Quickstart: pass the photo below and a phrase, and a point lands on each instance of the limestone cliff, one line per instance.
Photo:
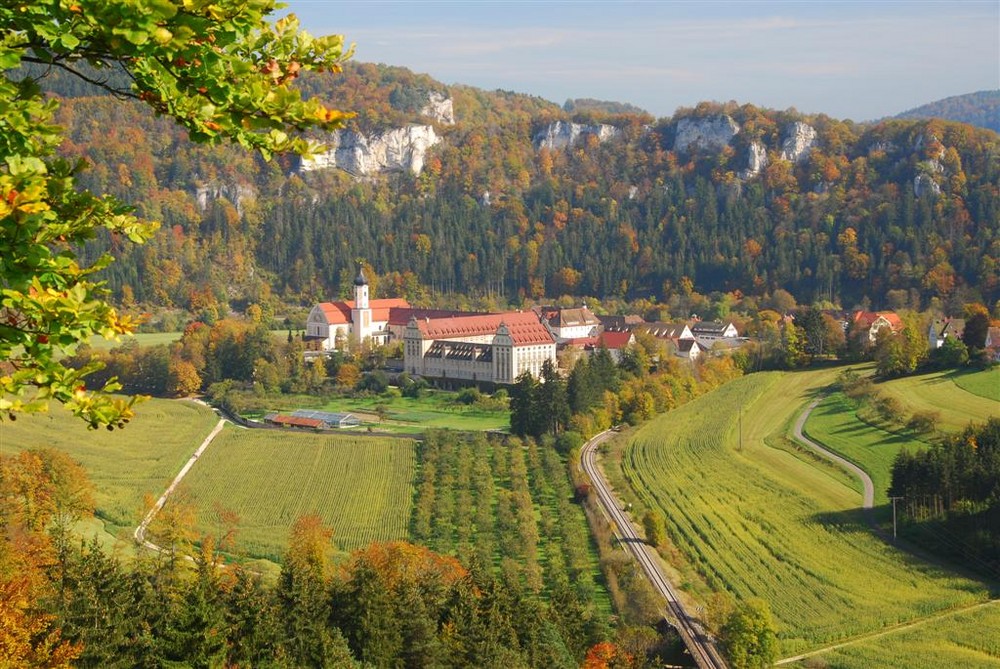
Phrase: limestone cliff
(711, 132)
(235, 193)
(756, 160)
(395, 150)
(440, 108)
(562, 134)
(799, 140)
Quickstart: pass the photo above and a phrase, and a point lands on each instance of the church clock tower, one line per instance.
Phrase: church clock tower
(361, 314)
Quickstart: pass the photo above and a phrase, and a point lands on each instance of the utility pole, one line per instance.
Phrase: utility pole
(894, 500)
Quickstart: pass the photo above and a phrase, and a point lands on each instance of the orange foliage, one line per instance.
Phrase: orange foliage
(400, 562)
(606, 655)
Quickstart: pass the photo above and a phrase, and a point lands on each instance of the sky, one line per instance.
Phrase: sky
(848, 59)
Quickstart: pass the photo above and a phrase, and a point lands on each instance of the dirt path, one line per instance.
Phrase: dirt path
(140, 531)
(868, 500)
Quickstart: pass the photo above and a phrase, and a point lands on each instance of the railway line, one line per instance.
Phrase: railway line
(698, 642)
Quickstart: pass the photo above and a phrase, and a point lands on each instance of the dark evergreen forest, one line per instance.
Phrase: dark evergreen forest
(900, 212)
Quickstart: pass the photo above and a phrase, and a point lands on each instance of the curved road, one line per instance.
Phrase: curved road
(866, 481)
(698, 643)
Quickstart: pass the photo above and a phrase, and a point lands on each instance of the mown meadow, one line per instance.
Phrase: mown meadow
(956, 397)
(401, 415)
(750, 513)
(124, 465)
(969, 639)
(952, 397)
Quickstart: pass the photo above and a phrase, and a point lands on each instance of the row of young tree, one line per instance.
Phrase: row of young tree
(950, 495)
(66, 603)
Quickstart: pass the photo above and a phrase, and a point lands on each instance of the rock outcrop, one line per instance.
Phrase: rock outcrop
(396, 150)
(711, 132)
(562, 134)
(440, 108)
(798, 143)
(235, 193)
(924, 182)
(756, 161)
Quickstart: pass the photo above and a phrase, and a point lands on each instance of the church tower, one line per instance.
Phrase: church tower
(361, 314)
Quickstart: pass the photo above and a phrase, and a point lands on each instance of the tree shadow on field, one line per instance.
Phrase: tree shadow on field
(877, 523)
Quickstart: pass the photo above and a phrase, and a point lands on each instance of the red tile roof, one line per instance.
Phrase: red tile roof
(524, 326)
(615, 340)
(582, 342)
(339, 313)
(298, 421)
(868, 318)
(402, 315)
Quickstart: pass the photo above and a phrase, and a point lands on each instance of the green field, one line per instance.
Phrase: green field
(985, 384)
(362, 487)
(123, 465)
(968, 639)
(405, 415)
(957, 398)
(141, 338)
(770, 521)
(834, 424)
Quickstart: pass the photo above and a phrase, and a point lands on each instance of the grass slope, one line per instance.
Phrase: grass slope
(766, 521)
(835, 424)
(125, 464)
(967, 639)
(985, 383)
(958, 398)
(361, 486)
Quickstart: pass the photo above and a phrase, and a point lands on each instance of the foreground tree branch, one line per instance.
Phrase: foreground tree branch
(218, 68)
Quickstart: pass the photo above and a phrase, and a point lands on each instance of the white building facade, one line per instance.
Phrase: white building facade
(490, 348)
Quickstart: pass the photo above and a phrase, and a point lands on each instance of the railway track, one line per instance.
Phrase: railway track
(698, 643)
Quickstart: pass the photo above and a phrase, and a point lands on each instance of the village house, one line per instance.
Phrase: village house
(993, 343)
(568, 325)
(941, 329)
(871, 322)
(708, 333)
(687, 349)
(615, 342)
(620, 323)
(668, 331)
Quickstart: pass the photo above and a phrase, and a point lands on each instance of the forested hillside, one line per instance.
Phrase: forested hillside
(980, 109)
(900, 210)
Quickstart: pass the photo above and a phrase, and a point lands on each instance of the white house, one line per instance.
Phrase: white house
(569, 324)
(941, 329)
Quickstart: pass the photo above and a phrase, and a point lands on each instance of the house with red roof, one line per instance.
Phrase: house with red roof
(615, 342)
(873, 321)
(488, 348)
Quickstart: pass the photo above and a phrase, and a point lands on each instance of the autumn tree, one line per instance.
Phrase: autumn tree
(750, 637)
(219, 69)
